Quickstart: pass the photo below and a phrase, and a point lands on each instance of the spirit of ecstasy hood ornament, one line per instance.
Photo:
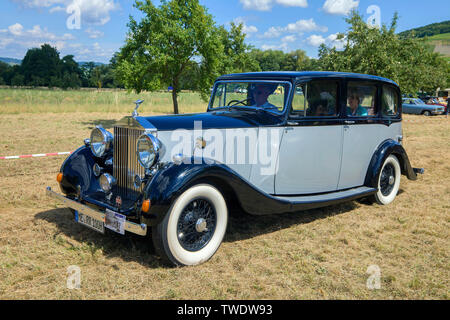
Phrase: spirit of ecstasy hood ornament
(138, 104)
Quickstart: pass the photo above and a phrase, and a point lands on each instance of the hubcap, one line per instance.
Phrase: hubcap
(196, 225)
(391, 180)
(200, 225)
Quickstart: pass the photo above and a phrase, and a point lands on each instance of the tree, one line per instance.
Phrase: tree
(383, 53)
(41, 64)
(237, 56)
(166, 41)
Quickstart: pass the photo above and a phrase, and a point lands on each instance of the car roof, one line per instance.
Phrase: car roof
(289, 75)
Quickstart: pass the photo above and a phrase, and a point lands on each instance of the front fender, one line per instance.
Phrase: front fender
(387, 148)
(77, 170)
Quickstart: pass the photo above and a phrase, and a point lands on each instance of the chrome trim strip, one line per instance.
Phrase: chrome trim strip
(139, 229)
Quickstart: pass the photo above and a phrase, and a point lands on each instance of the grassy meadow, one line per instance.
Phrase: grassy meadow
(316, 254)
(19, 101)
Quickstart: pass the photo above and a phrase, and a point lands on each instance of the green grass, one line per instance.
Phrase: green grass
(440, 37)
(17, 101)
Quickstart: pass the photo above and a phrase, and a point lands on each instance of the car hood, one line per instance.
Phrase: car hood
(215, 120)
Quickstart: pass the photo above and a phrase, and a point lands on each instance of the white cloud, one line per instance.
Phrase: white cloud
(57, 9)
(94, 12)
(248, 30)
(94, 34)
(260, 5)
(273, 32)
(315, 40)
(299, 27)
(16, 29)
(331, 41)
(293, 3)
(305, 26)
(342, 7)
(290, 38)
(266, 5)
(283, 47)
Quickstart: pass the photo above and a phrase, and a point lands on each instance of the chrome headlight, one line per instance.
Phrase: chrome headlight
(107, 181)
(101, 141)
(147, 150)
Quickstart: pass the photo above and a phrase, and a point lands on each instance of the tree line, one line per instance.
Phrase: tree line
(43, 67)
(179, 45)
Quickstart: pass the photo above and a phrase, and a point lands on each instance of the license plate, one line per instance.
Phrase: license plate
(90, 222)
(115, 221)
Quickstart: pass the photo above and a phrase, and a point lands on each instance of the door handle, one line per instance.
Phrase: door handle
(349, 122)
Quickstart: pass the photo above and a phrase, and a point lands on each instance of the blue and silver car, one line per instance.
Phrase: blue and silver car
(270, 142)
(417, 106)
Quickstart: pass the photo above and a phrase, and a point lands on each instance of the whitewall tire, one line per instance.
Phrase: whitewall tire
(194, 227)
(388, 181)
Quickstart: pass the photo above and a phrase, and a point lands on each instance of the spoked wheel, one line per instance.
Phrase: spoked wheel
(388, 181)
(194, 227)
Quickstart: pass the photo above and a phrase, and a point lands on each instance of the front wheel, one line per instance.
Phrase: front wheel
(388, 181)
(427, 113)
(194, 227)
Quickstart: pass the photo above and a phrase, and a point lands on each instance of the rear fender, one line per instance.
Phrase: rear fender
(387, 148)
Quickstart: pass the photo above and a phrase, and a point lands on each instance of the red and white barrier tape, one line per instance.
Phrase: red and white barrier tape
(36, 155)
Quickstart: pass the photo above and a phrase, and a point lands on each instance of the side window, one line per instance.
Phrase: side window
(389, 102)
(361, 99)
(315, 99)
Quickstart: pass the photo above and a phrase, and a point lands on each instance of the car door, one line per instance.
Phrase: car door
(310, 151)
(361, 134)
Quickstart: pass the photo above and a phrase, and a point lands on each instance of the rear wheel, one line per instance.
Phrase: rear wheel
(388, 181)
(194, 227)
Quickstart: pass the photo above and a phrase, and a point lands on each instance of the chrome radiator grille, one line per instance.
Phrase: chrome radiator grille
(125, 163)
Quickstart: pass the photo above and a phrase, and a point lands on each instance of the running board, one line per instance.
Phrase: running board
(315, 201)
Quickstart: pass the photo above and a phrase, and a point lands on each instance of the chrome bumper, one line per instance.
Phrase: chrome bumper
(140, 229)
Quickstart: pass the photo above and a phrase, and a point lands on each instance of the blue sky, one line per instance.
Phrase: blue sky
(100, 28)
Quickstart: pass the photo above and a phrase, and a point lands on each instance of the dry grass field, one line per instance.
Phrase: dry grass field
(316, 254)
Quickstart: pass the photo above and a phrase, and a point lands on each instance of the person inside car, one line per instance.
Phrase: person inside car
(261, 93)
(354, 107)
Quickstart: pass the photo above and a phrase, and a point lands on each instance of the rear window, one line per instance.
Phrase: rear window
(389, 102)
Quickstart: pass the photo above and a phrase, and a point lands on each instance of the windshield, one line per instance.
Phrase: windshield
(267, 95)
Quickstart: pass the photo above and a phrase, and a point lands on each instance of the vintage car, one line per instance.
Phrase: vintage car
(417, 106)
(322, 139)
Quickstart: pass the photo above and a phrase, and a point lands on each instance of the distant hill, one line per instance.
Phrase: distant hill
(437, 36)
(13, 61)
(10, 61)
(428, 30)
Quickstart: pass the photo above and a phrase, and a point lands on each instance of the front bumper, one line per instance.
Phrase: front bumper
(139, 229)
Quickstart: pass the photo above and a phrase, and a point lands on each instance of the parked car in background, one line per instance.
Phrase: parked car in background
(323, 139)
(417, 106)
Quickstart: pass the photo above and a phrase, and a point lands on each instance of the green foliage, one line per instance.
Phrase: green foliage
(166, 42)
(277, 60)
(40, 64)
(427, 31)
(383, 53)
(237, 57)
